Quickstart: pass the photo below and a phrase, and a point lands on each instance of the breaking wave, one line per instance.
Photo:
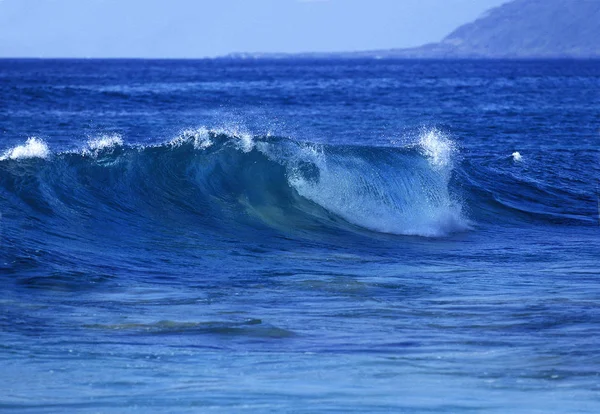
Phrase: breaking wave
(223, 179)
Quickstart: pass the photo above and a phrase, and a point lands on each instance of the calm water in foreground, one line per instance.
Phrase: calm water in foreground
(299, 236)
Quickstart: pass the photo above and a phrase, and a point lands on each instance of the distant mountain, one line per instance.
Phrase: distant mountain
(517, 29)
(531, 28)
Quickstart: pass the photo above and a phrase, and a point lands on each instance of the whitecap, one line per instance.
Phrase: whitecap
(105, 141)
(33, 148)
(437, 147)
(243, 139)
(199, 137)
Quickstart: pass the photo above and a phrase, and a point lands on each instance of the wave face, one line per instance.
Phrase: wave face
(400, 191)
(229, 179)
(234, 183)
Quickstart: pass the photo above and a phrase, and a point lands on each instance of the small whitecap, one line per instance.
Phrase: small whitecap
(516, 156)
(243, 139)
(246, 143)
(33, 148)
(199, 137)
(101, 143)
(104, 142)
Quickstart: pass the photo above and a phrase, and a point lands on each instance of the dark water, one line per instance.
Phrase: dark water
(296, 236)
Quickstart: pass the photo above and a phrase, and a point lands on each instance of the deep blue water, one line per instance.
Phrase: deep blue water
(299, 236)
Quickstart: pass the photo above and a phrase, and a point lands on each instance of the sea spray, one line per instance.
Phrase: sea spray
(382, 189)
(33, 148)
(199, 137)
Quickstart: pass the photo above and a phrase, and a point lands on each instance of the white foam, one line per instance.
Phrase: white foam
(199, 137)
(401, 205)
(399, 193)
(33, 148)
(102, 143)
(246, 142)
(243, 138)
(437, 147)
(517, 156)
(105, 141)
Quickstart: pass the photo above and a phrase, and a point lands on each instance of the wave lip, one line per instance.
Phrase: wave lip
(104, 142)
(33, 148)
(199, 137)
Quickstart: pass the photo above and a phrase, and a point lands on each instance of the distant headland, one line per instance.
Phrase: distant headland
(528, 29)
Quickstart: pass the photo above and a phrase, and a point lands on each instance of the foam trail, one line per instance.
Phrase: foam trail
(33, 148)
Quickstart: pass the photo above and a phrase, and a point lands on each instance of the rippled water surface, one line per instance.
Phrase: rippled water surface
(299, 236)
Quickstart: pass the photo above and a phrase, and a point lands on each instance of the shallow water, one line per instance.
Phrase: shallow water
(299, 236)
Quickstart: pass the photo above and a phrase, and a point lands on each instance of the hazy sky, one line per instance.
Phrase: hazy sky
(199, 28)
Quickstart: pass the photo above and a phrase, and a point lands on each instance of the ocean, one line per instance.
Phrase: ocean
(299, 236)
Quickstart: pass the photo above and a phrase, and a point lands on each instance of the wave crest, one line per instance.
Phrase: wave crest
(33, 148)
(233, 177)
